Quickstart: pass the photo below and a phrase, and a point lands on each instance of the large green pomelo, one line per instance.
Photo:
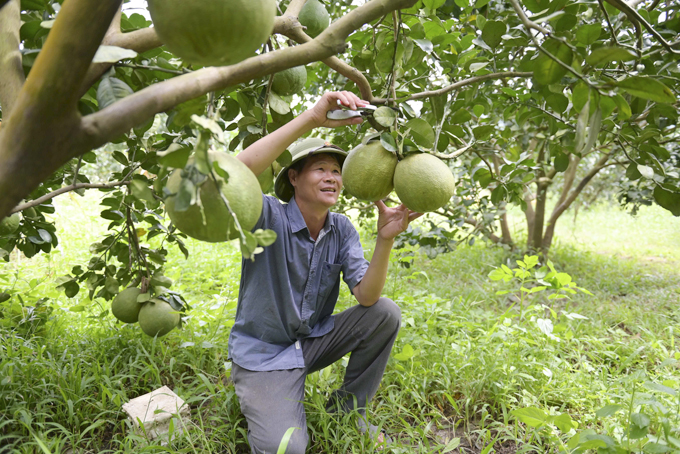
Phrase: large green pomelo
(368, 171)
(157, 318)
(125, 306)
(423, 182)
(315, 17)
(10, 224)
(242, 191)
(266, 179)
(289, 81)
(213, 32)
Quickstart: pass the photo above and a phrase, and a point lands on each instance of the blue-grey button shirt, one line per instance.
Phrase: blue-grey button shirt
(289, 292)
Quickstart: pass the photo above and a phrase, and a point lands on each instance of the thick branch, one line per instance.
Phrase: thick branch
(353, 74)
(65, 189)
(462, 83)
(473, 222)
(11, 70)
(569, 177)
(562, 207)
(452, 155)
(121, 116)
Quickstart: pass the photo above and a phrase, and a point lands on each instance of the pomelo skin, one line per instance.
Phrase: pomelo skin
(315, 17)
(289, 81)
(10, 224)
(213, 32)
(125, 306)
(242, 191)
(368, 171)
(423, 182)
(157, 318)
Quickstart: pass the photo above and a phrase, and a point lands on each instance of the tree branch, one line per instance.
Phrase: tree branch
(634, 16)
(11, 71)
(569, 177)
(562, 207)
(353, 74)
(65, 189)
(452, 155)
(462, 83)
(525, 20)
(120, 117)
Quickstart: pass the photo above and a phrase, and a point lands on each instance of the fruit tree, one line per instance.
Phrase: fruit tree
(527, 101)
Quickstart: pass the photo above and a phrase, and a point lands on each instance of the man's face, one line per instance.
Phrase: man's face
(319, 182)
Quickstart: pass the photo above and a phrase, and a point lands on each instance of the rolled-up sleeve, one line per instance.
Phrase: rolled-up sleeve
(354, 264)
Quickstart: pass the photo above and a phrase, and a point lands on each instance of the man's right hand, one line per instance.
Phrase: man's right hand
(329, 101)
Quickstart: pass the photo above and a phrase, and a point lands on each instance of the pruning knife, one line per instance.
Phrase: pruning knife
(344, 114)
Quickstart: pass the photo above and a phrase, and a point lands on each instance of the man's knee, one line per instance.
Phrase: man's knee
(296, 445)
(389, 311)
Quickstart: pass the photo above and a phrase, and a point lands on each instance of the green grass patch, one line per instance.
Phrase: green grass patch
(467, 371)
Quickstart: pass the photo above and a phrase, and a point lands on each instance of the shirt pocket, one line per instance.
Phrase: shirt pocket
(330, 273)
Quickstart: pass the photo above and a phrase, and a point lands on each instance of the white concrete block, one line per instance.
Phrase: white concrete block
(155, 410)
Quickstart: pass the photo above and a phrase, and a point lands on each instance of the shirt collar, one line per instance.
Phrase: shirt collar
(297, 222)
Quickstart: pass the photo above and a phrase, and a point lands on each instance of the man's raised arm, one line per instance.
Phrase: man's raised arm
(262, 153)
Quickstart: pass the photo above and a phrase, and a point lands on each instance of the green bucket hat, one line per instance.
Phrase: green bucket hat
(282, 187)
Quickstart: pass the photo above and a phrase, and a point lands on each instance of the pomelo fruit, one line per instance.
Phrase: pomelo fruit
(423, 182)
(289, 81)
(10, 224)
(157, 318)
(125, 306)
(213, 32)
(315, 17)
(368, 171)
(266, 179)
(242, 191)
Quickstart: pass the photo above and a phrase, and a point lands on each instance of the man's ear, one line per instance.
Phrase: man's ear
(292, 176)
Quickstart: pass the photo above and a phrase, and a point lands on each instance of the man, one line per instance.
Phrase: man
(284, 326)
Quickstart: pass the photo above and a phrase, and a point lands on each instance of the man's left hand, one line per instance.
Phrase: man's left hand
(393, 221)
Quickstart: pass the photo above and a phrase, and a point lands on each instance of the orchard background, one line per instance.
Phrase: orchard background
(556, 117)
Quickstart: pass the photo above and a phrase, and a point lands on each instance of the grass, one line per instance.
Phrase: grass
(465, 361)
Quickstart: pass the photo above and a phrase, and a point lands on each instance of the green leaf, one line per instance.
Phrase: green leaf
(140, 189)
(231, 109)
(387, 141)
(656, 448)
(111, 90)
(285, 440)
(668, 200)
(498, 194)
(588, 34)
(285, 159)
(492, 32)
(607, 410)
(604, 55)
(406, 353)
(564, 422)
(531, 416)
(175, 156)
(645, 171)
(624, 108)
(451, 445)
(424, 44)
(483, 132)
(277, 104)
(112, 54)
(421, 131)
(385, 116)
(581, 125)
(647, 88)
(557, 102)
(661, 388)
(432, 5)
(546, 70)
(265, 237)
(561, 162)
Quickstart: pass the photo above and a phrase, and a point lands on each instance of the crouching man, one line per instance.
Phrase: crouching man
(284, 326)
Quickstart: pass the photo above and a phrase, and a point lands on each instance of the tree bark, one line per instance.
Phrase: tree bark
(45, 129)
(562, 207)
(11, 69)
(536, 235)
(529, 213)
(505, 229)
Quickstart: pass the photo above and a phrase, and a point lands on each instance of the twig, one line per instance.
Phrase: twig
(73, 187)
(633, 15)
(454, 154)
(485, 161)
(153, 68)
(525, 20)
(75, 174)
(462, 83)
(609, 23)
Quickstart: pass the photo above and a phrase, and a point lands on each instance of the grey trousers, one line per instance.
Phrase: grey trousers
(272, 401)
